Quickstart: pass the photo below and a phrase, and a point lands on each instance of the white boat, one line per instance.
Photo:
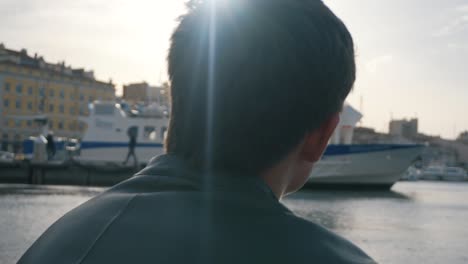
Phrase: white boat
(369, 165)
(437, 173)
(106, 138)
(432, 173)
(411, 174)
(7, 156)
(364, 165)
(454, 174)
(7, 159)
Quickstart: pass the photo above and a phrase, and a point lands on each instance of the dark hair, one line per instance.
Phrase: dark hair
(250, 78)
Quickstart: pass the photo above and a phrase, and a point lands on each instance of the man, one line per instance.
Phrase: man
(50, 146)
(132, 133)
(257, 86)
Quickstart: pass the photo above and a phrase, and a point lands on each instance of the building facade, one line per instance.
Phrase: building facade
(30, 86)
(463, 137)
(404, 128)
(144, 93)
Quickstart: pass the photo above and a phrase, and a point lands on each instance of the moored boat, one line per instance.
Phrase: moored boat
(376, 166)
(454, 174)
(107, 135)
(442, 173)
(361, 165)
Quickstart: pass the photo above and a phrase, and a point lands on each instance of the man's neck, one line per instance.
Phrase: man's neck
(278, 177)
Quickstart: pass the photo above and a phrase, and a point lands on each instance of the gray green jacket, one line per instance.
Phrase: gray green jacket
(167, 214)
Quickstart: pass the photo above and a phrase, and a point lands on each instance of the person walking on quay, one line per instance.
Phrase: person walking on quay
(50, 146)
(132, 135)
(256, 91)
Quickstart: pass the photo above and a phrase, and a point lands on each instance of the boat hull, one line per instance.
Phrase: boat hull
(362, 165)
(351, 165)
(118, 151)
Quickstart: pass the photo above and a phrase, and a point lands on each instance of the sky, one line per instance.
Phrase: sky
(412, 55)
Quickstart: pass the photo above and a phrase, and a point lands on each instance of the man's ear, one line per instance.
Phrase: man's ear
(316, 141)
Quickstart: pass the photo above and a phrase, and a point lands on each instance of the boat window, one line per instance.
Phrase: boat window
(104, 109)
(149, 132)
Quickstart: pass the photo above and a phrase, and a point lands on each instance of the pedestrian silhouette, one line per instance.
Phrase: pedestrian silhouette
(50, 147)
(132, 133)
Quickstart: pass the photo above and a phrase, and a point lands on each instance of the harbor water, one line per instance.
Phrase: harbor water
(416, 222)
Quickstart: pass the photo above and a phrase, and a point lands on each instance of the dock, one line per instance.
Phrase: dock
(65, 173)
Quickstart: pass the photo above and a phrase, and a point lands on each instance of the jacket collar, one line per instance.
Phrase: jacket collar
(174, 169)
(172, 166)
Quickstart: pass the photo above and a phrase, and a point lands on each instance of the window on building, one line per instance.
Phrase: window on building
(61, 109)
(29, 123)
(60, 125)
(18, 123)
(62, 94)
(51, 93)
(6, 103)
(19, 88)
(83, 110)
(41, 91)
(30, 106)
(30, 90)
(18, 104)
(72, 110)
(51, 124)
(7, 87)
(81, 97)
(51, 108)
(4, 143)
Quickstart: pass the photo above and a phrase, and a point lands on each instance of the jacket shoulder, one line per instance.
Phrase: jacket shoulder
(71, 238)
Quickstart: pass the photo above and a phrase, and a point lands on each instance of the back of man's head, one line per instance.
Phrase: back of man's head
(250, 78)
